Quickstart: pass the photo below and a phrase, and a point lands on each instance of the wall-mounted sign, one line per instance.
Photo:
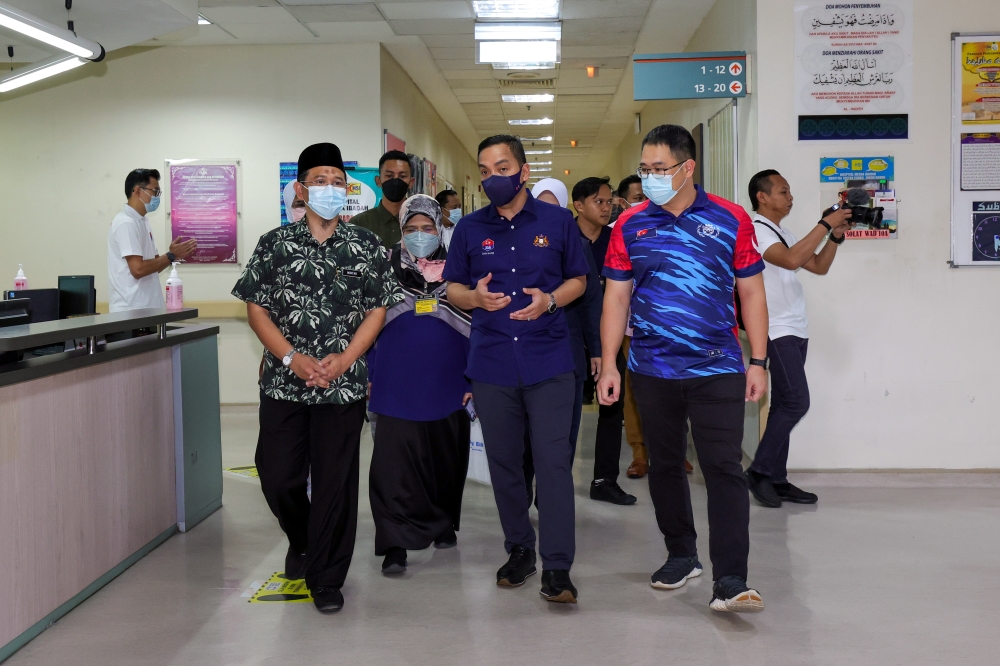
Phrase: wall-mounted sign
(843, 169)
(864, 184)
(690, 75)
(980, 82)
(853, 59)
(204, 204)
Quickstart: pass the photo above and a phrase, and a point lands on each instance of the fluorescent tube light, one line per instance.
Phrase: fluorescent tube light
(37, 71)
(541, 139)
(519, 54)
(542, 169)
(540, 163)
(531, 121)
(43, 31)
(538, 152)
(528, 99)
(202, 20)
(518, 31)
(516, 9)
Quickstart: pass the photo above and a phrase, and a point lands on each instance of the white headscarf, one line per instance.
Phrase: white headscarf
(289, 196)
(554, 186)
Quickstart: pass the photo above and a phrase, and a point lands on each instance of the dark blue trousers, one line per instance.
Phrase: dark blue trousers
(546, 408)
(789, 403)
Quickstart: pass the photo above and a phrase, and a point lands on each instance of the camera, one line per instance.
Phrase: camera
(858, 201)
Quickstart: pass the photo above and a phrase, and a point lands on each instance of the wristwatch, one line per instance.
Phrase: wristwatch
(172, 257)
(762, 362)
(287, 360)
(837, 241)
(552, 304)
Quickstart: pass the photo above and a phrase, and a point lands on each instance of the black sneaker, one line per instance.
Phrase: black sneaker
(328, 599)
(675, 572)
(762, 490)
(395, 561)
(609, 491)
(731, 594)
(520, 565)
(295, 564)
(557, 587)
(447, 540)
(789, 493)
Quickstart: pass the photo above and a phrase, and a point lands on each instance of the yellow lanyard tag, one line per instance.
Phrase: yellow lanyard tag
(425, 305)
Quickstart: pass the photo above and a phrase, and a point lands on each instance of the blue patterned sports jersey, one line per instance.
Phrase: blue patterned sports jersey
(684, 269)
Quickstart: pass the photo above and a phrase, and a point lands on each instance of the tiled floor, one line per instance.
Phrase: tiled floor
(882, 571)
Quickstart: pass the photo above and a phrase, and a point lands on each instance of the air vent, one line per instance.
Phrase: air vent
(540, 83)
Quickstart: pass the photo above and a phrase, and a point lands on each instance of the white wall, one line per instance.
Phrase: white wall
(901, 362)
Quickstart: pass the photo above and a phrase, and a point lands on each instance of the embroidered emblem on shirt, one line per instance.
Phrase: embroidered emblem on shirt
(541, 241)
(708, 230)
(641, 233)
(488, 245)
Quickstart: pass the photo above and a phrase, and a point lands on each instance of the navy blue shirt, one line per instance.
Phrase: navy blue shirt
(599, 247)
(539, 248)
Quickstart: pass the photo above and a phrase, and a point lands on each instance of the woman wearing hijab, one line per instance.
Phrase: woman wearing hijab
(551, 191)
(418, 391)
(295, 208)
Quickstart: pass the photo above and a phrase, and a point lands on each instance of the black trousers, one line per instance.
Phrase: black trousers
(715, 406)
(547, 408)
(789, 403)
(608, 443)
(294, 438)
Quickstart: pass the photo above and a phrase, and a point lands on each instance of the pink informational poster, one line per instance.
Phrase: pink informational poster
(203, 206)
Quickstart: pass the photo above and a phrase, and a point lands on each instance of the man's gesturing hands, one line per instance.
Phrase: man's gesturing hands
(488, 300)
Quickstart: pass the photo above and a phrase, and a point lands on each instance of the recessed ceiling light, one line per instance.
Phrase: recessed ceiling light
(516, 9)
(540, 163)
(528, 99)
(543, 169)
(541, 139)
(530, 121)
(518, 54)
(202, 20)
(518, 31)
(537, 152)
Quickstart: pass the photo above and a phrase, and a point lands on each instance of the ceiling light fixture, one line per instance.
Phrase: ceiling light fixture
(37, 71)
(537, 152)
(518, 31)
(518, 54)
(531, 121)
(593, 72)
(202, 20)
(516, 9)
(573, 143)
(528, 99)
(566, 172)
(43, 31)
(540, 163)
(542, 169)
(541, 139)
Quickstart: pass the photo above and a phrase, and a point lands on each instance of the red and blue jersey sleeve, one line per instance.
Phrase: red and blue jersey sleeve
(617, 263)
(747, 262)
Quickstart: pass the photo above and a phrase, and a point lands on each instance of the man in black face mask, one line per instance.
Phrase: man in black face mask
(395, 178)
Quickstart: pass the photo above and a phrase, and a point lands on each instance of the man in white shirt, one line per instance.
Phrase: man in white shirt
(788, 334)
(133, 262)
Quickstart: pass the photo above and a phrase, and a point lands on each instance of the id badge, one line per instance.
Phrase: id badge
(425, 305)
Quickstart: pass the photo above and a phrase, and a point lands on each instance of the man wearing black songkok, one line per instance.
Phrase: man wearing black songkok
(316, 295)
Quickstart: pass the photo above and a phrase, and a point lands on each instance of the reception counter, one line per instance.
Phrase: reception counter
(105, 452)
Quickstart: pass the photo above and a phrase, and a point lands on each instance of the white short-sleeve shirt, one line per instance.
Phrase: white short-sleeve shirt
(130, 235)
(786, 303)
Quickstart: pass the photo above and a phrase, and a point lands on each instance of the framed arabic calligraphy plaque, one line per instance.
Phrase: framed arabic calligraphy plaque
(853, 69)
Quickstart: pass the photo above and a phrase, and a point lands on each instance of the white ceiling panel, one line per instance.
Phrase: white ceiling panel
(604, 63)
(238, 3)
(452, 65)
(434, 26)
(353, 33)
(481, 85)
(596, 51)
(280, 33)
(452, 9)
(450, 41)
(454, 53)
(601, 38)
(336, 13)
(590, 9)
(225, 16)
(480, 73)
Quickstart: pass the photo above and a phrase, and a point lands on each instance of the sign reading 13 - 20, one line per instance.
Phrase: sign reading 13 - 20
(690, 75)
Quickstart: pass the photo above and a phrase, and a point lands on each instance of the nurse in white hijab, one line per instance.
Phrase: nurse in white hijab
(295, 209)
(551, 191)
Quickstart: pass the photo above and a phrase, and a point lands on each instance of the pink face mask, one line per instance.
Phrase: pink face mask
(296, 214)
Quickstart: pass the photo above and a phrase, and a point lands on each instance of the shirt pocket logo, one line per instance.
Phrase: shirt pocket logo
(488, 245)
(541, 241)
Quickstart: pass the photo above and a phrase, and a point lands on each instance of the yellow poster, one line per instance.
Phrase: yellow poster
(980, 83)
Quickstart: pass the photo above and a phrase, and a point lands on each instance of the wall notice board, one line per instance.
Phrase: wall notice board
(975, 150)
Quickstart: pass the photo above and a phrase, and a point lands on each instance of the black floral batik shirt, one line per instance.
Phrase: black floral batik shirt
(317, 294)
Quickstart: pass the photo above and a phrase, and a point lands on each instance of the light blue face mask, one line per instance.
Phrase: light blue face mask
(660, 190)
(455, 214)
(327, 201)
(421, 244)
(153, 204)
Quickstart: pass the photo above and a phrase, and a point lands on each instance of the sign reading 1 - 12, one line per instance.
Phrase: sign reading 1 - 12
(690, 75)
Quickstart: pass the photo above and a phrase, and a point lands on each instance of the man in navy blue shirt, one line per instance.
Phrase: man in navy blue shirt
(515, 264)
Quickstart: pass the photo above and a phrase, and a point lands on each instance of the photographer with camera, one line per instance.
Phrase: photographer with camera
(788, 336)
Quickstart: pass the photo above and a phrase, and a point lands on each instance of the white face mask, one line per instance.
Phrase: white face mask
(661, 190)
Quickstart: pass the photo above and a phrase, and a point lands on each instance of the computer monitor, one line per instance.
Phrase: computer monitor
(14, 312)
(76, 296)
(44, 303)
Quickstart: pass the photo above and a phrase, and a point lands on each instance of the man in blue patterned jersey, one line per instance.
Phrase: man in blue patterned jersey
(685, 249)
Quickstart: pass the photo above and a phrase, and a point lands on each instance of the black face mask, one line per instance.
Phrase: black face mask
(395, 189)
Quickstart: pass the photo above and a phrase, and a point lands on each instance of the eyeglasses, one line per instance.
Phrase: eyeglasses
(157, 192)
(657, 171)
(323, 182)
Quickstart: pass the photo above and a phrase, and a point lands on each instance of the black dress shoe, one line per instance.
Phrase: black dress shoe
(789, 493)
(520, 565)
(762, 490)
(395, 561)
(557, 587)
(295, 564)
(603, 490)
(328, 599)
(447, 540)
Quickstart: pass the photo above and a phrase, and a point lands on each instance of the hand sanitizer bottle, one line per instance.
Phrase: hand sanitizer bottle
(20, 281)
(175, 290)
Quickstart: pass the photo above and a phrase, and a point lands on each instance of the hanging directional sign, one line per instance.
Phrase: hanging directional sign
(690, 75)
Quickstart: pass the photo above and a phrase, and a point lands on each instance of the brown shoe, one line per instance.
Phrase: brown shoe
(688, 467)
(637, 469)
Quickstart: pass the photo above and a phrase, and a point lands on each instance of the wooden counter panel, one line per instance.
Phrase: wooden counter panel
(86, 479)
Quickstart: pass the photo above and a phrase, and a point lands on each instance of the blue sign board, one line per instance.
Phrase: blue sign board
(690, 75)
(843, 169)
